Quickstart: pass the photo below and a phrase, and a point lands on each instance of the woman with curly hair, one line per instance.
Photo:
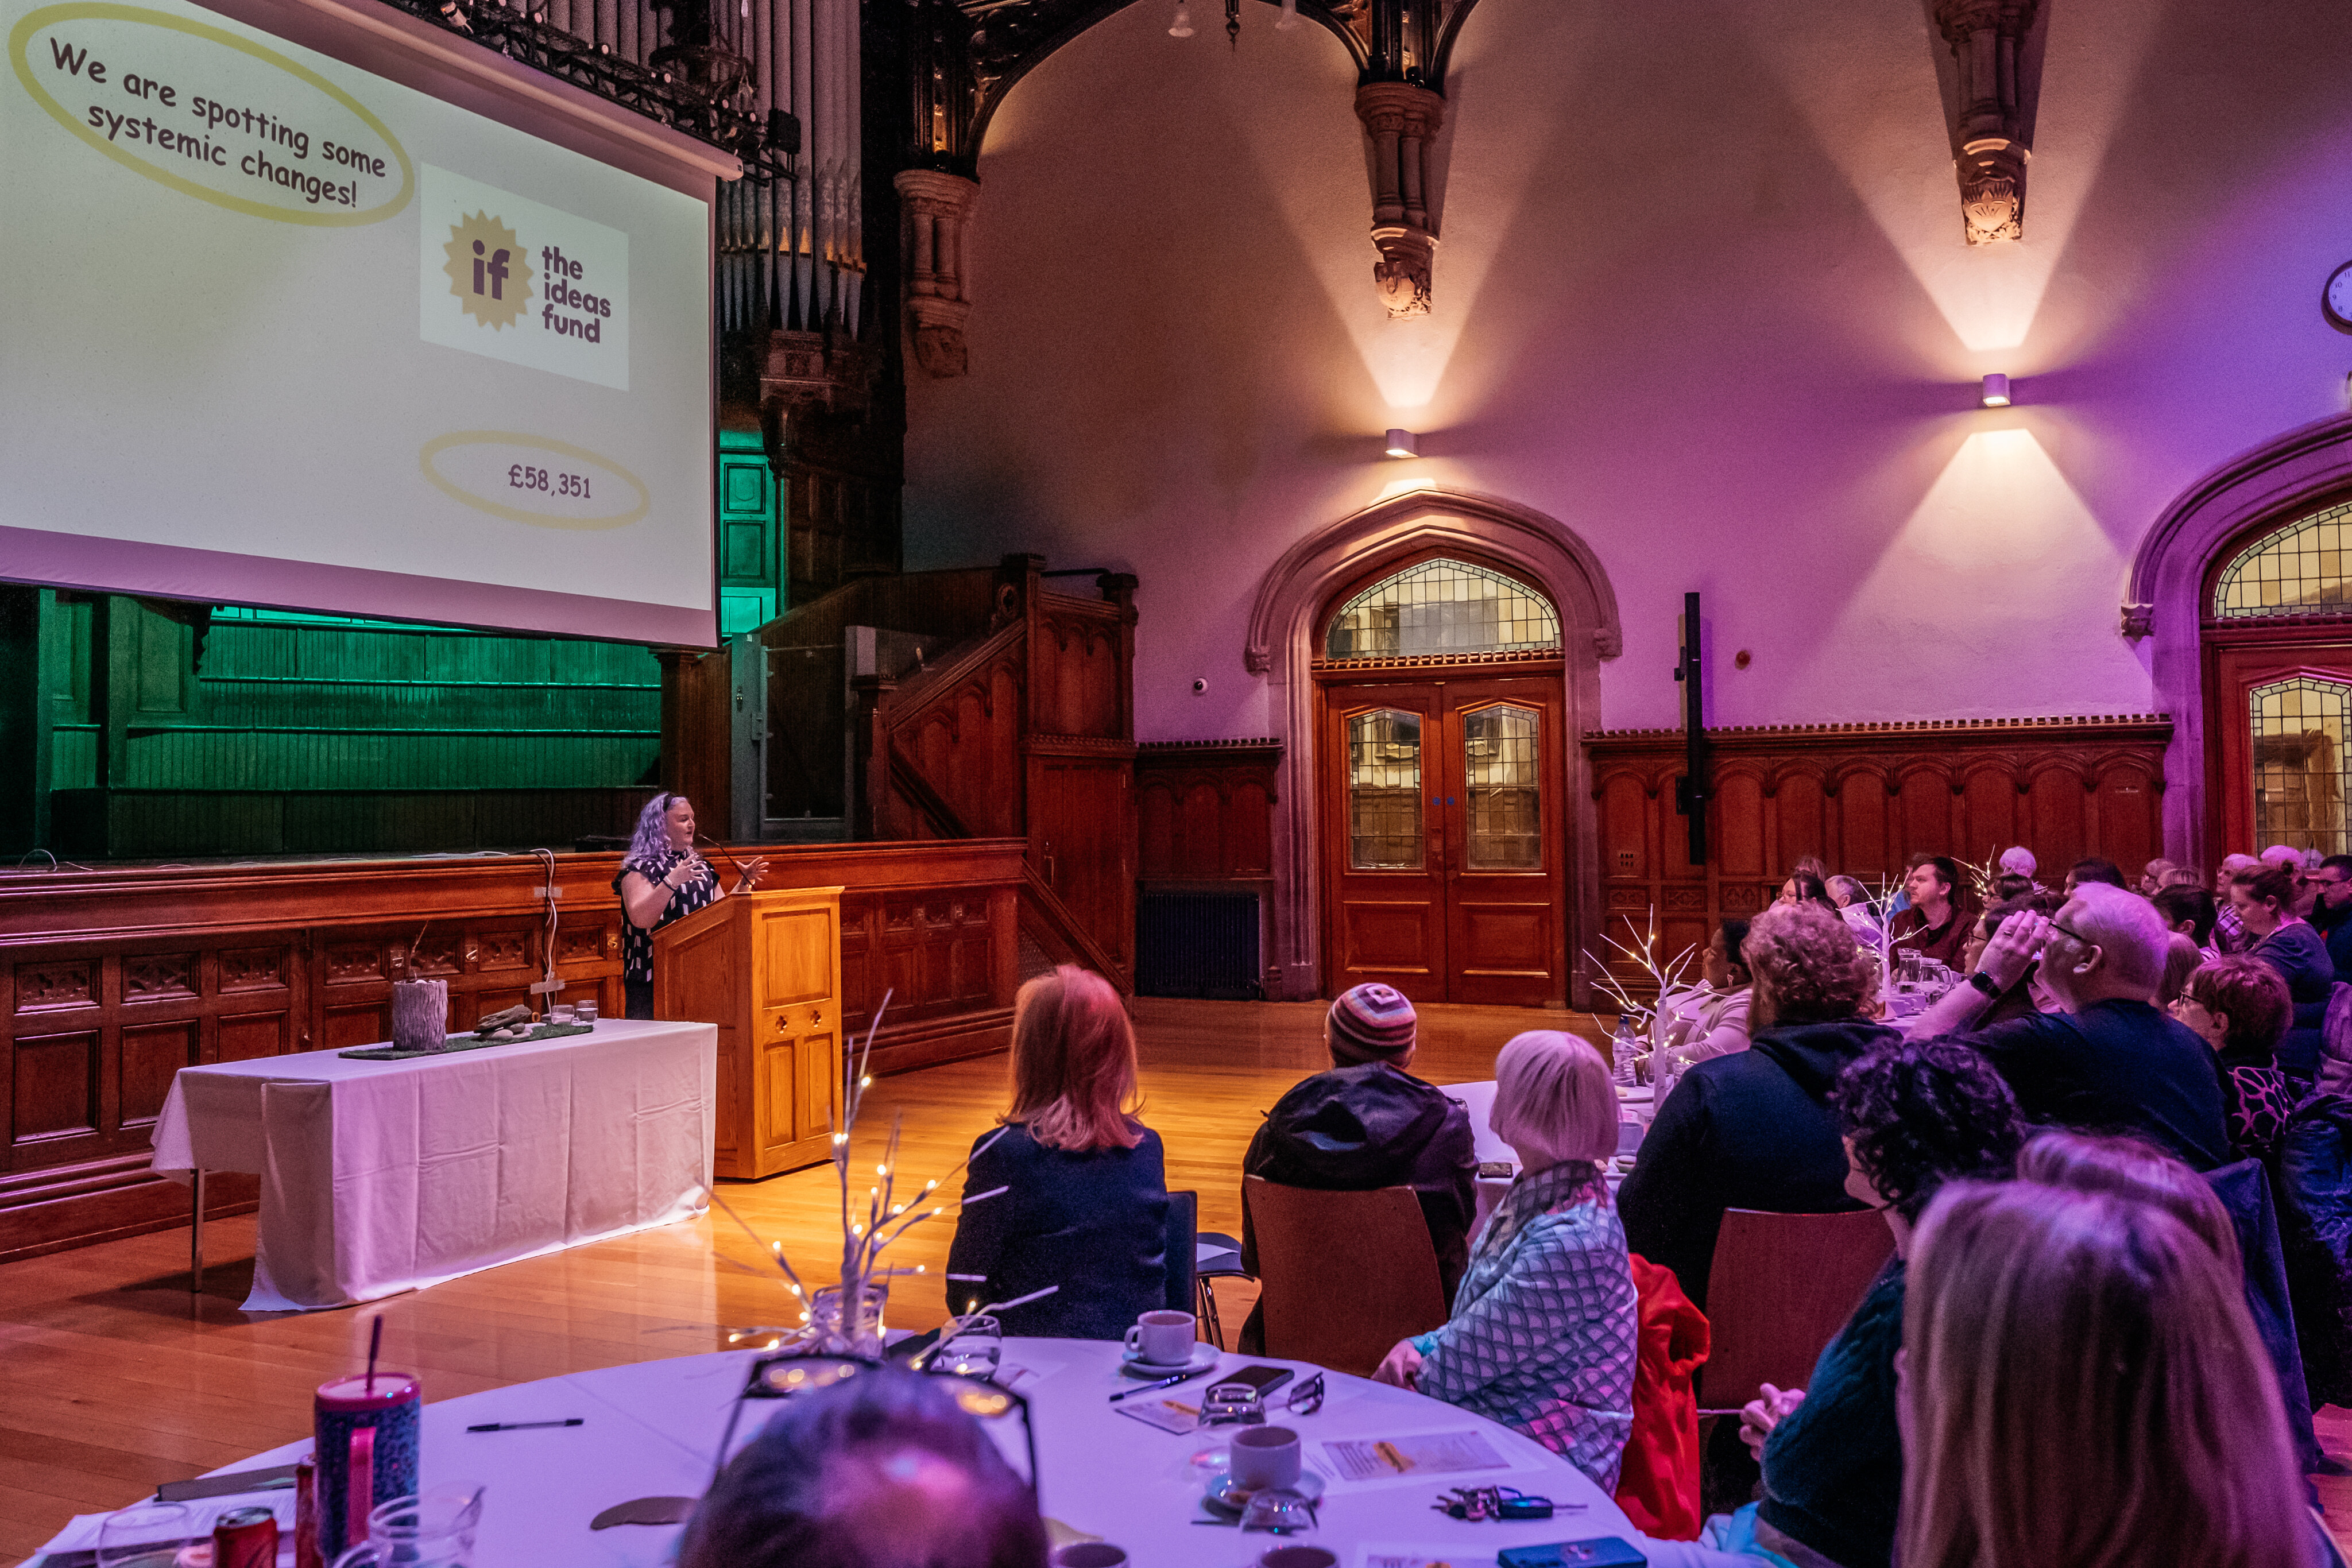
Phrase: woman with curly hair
(1915, 1115)
(1754, 1129)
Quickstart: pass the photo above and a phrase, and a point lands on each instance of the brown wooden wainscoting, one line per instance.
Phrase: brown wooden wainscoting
(1863, 796)
(1204, 824)
(110, 982)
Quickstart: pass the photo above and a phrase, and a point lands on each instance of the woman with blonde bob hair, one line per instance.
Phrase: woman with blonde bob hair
(1541, 1338)
(1070, 1190)
(2082, 1389)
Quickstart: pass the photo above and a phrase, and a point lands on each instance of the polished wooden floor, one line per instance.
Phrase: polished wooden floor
(114, 1377)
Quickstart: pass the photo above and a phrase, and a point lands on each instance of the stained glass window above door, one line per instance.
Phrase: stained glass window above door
(1443, 607)
(2302, 568)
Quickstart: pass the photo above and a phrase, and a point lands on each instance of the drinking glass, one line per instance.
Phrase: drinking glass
(973, 1350)
(433, 1530)
(584, 1012)
(149, 1535)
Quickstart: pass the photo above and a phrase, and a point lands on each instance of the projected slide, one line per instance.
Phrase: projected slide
(281, 331)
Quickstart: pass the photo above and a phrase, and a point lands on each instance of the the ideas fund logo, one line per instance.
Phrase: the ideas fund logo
(487, 271)
(511, 278)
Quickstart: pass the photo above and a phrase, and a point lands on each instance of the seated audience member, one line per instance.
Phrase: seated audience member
(2328, 886)
(2263, 900)
(1853, 901)
(2137, 1171)
(2109, 1061)
(1542, 1334)
(2007, 888)
(2018, 860)
(1812, 866)
(2155, 874)
(2083, 1385)
(882, 1469)
(1708, 1020)
(2189, 911)
(2093, 869)
(1087, 1205)
(1915, 1115)
(1935, 923)
(1755, 1130)
(1367, 1123)
(1804, 887)
(2285, 857)
(2018, 1000)
(2181, 958)
(2240, 1007)
(2227, 935)
(2183, 876)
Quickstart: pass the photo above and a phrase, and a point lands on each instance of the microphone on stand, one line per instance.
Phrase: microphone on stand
(732, 865)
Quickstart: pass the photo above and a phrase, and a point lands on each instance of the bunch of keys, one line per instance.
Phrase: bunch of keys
(1474, 1503)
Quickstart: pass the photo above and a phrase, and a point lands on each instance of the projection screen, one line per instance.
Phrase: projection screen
(301, 316)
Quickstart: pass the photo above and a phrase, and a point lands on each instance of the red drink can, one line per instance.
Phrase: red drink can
(305, 1515)
(246, 1538)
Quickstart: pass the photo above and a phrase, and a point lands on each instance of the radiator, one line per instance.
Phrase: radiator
(1197, 945)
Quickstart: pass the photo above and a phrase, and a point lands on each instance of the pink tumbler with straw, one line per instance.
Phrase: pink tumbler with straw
(367, 1434)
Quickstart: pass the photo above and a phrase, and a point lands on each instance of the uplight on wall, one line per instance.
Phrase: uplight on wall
(1182, 28)
(1404, 443)
(1996, 390)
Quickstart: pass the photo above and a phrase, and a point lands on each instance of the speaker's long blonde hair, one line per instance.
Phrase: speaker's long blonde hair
(2083, 1388)
(1074, 1063)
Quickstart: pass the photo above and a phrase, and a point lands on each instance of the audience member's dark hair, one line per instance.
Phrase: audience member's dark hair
(2181, 901)
(2272, 884)
(1995, 916)
(1811, 888)
(1734, 932)
(2251, 994)
(2339, 862)
(2097, 869)
(881, 1468)
(1947, 872)
(2011, 887)
(1922, 1112)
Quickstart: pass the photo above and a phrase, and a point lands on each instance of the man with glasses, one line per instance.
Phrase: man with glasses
(2328, 887)
(2111, 1062)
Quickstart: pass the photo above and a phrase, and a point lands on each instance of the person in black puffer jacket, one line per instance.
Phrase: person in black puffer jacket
(1756, 1130)
(1369, 1123)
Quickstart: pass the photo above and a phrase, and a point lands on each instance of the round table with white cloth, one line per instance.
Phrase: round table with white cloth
(653, 1428)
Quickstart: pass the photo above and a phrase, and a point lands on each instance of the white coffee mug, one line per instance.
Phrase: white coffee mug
(1089, 1554)
(1264, 1457)
(1298, 1557)
(1163, 1338)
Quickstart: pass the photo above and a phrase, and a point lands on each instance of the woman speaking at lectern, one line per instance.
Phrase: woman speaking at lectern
(662, 880)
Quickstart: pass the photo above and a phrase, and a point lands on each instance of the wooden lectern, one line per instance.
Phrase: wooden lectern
(766, 968)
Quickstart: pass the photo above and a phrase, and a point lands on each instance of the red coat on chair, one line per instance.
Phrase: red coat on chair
(1658, 1487)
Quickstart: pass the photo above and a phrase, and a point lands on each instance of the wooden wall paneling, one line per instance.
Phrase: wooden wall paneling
(1863, 796)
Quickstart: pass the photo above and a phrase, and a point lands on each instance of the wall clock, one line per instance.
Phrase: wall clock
(2336, 299)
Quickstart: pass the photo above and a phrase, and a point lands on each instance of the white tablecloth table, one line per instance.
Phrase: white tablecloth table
(652, 1429)
(383, 1176)
(1478, 1099)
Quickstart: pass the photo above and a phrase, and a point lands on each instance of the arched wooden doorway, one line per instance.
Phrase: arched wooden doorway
(1441, 770)
(2277, 635)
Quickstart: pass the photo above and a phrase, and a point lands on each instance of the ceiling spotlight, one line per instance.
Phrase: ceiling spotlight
(1182, 28)
(1996, 390)
(1404, 443)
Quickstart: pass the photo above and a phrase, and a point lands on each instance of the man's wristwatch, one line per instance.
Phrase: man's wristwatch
(1987, 984)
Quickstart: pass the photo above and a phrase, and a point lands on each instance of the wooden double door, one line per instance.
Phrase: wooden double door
(1444, 857)
(2281, 728)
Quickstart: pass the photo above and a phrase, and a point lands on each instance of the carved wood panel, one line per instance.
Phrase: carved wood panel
(1864, 797)
(1204, 813)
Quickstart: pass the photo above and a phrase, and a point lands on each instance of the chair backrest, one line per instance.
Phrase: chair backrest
(1343, 1275)
(1183, 1223)
(1780, 1287)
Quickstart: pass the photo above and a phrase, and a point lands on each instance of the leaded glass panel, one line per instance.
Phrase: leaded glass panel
(2300, 781)
(1498, 765)
(1385, 792)
(2303, 569)
(1443, 607)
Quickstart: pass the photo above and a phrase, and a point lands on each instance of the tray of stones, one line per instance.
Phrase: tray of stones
(458, 1042)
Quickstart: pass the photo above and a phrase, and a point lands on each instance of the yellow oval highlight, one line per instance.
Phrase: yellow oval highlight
(466, 463)
(20, 39)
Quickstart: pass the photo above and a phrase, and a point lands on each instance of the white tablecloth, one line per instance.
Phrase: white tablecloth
(652, 1429)
(1478, 1099)
(383, 1176)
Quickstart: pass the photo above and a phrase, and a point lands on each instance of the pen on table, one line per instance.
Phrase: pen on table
(524, 1426)
(1163, 1383)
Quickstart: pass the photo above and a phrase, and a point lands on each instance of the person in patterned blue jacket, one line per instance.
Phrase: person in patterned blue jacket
(1542, 1338)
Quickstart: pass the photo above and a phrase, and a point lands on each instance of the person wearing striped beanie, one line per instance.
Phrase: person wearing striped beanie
(1367, 1123)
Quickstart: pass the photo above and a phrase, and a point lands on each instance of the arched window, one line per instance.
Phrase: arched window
(2302, 568)
(1443, 607)
(2300, 780)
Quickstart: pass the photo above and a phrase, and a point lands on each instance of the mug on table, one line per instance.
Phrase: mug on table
(1163, 1338)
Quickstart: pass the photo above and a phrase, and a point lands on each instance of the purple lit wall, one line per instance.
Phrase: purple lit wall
(1702, 298)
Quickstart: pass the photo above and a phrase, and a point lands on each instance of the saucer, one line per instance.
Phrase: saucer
(1204, 1357)
(1224, 1497)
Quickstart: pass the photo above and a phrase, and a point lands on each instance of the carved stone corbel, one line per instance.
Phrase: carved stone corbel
(1987, 39)
(937, 208)
(2139, 621)
(1402, 120)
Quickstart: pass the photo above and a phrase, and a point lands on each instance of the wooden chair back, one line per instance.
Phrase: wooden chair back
(1780, 1287)
(1343, 1275)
